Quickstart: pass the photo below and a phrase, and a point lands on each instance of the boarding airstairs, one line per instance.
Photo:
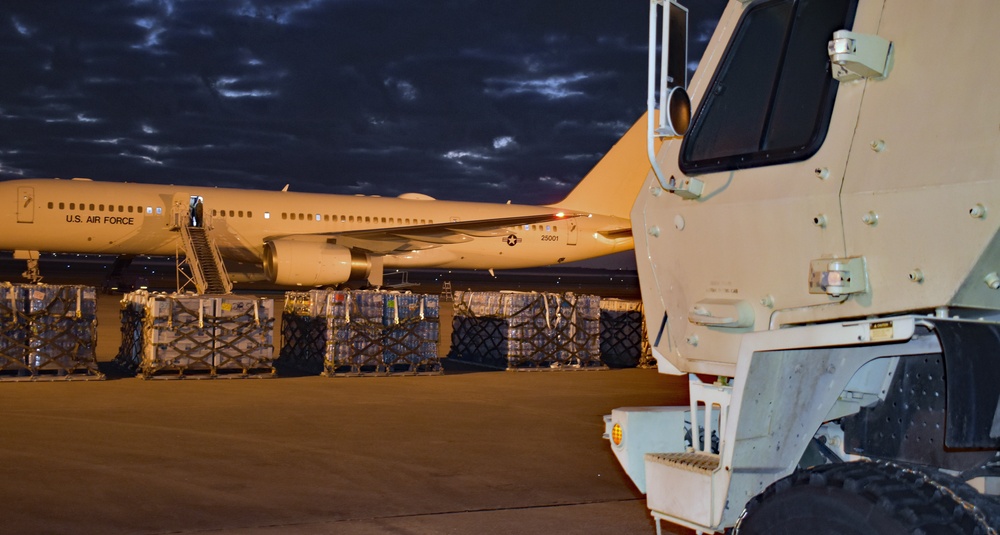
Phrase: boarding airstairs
(198, 252)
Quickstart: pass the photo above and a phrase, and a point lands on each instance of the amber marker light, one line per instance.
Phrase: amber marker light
(616, 434)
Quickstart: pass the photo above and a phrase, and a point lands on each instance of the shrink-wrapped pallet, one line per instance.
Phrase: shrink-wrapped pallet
(178, 335)
(49, 331)
(364, 332)
(519, 330)
(355, 335)
(412, 327)
(624, 343)
(244, 333)
(14, 330)
(304, 331)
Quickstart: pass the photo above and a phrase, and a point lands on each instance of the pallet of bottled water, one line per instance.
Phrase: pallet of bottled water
(363, 332)
(527, 330)
(48, 332)
(624, 343)
(201, 336)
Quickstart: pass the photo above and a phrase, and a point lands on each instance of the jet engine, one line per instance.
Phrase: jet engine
(302, 263)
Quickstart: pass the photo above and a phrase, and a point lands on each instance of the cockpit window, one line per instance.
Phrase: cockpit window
(771, 99)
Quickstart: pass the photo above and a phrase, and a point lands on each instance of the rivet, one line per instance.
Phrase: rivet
(655, 190)
(978, 211)
(823, 173)
(878, 145)
(820, 221)
(917, 276)
(992, 280)
(654, 231)
(692, 340)
(870, 219)
(767, 301)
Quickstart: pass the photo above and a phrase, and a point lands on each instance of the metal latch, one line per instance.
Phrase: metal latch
(857, 55)
(838, 276)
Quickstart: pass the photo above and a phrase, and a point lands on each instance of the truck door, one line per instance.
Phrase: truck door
(25, 204)
(769, 140)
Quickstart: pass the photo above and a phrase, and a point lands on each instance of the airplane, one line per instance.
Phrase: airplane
(312, 239)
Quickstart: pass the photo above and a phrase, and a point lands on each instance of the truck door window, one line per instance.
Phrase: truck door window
(771, 99)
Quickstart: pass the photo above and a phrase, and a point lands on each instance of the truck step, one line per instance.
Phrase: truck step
(699, 462)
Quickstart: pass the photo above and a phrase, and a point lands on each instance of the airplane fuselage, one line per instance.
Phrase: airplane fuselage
(83, 216)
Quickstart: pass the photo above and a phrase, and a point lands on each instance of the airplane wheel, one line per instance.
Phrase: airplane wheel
(860, 498)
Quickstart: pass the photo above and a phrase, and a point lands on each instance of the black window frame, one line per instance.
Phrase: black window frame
(763, 155)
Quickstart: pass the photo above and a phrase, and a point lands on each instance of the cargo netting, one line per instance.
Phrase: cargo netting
(200, 336)
(48, 332)
(364, 332)
(527, 331)
(624, 343)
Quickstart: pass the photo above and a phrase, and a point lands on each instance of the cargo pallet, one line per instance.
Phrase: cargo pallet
(182, 336)
(361, 333)
(48, 333)
(624, 341)
(527, 331)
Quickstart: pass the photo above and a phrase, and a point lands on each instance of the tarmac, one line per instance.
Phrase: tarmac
(470, 451)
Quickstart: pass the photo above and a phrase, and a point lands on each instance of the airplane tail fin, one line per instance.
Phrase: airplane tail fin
(611, 187)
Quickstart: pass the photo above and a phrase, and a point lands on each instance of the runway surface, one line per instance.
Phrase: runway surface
(467, 452)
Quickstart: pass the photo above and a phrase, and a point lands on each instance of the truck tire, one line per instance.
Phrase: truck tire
(859, 498)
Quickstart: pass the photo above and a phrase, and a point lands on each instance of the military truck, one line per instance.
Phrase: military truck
(818, 250)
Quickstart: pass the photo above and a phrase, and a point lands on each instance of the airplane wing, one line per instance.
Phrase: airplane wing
(389, 240)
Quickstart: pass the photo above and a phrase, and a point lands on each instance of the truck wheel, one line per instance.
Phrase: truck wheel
(859, 498)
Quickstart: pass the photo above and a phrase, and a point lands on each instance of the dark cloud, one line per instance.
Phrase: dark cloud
(457, 99)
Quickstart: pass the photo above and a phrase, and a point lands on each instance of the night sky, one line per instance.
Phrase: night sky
(466, 100)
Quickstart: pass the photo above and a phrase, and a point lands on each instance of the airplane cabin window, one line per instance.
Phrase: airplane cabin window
(159, 210)
(342, 220)
(267, 215)
(249, 214)
(232, 213)
(51, 206)
(215, 213)
(407, 221)
(62, 206)
(121, 208)
(149, 209)
(91, 207)
(240, 213)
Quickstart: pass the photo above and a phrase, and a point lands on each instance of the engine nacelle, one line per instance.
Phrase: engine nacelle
(301, 263)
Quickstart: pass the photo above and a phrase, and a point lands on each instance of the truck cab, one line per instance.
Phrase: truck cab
(817, 252)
